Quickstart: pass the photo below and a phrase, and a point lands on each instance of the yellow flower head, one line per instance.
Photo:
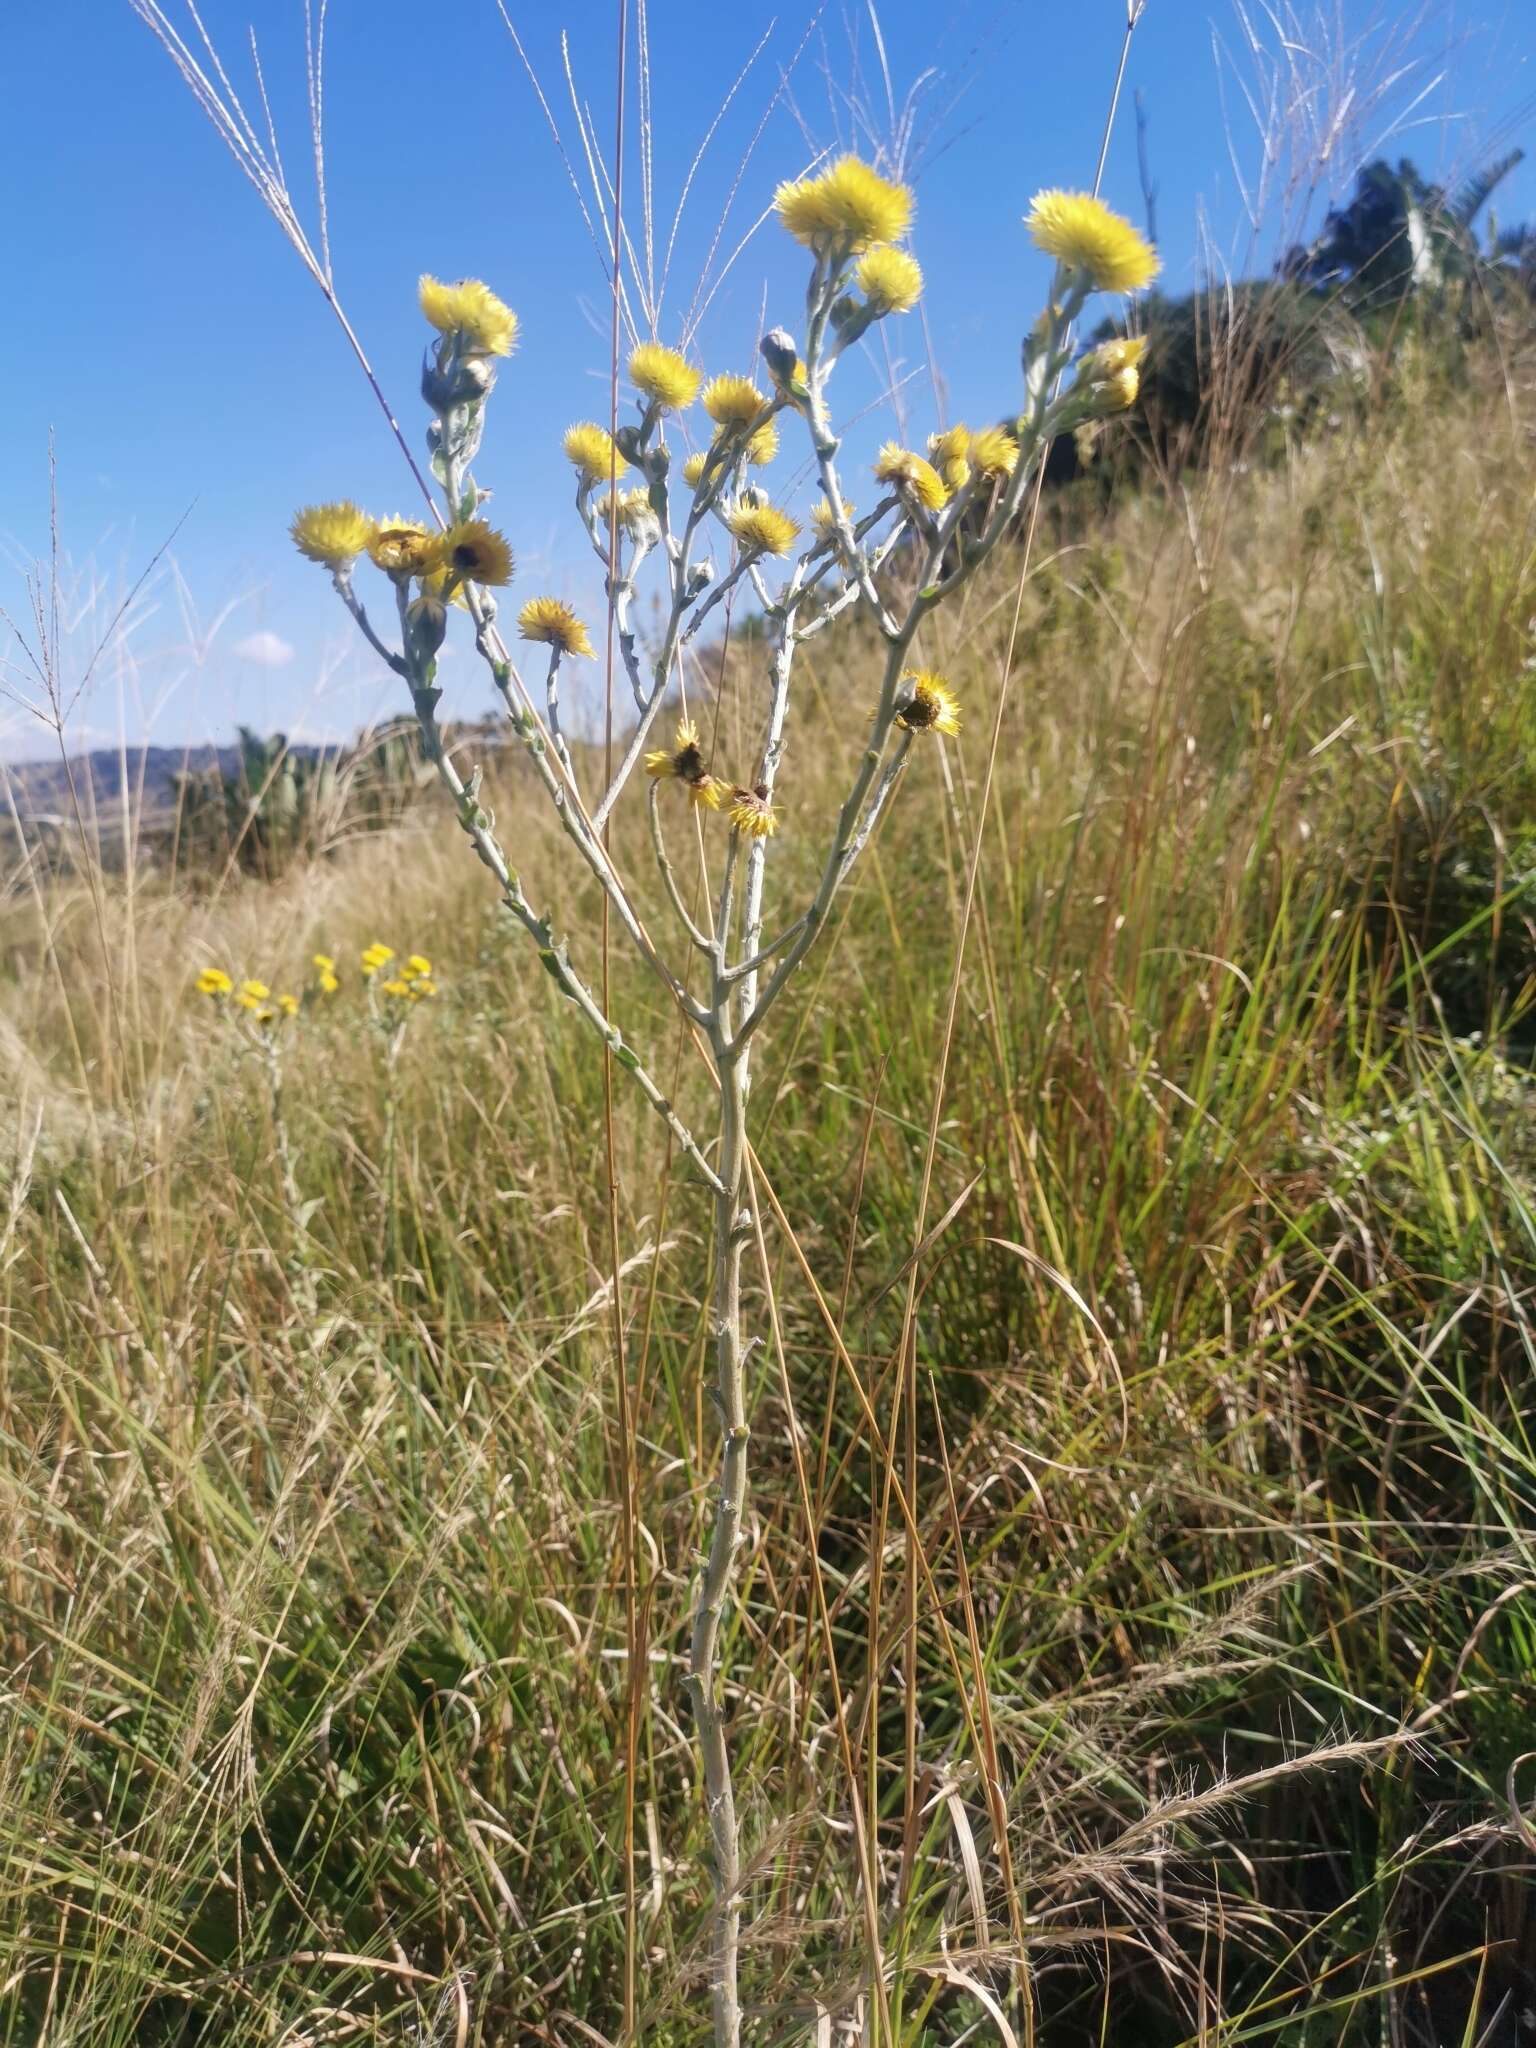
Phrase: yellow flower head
(845, 209)
(289, 1005)
(323, 962)
(660, 374)
(332, 534)
(472, 310)
(890, 279)
(822, 519)
(693, 468)
(932, 706)
(475, 553)
(422, 986)
(376, 956)
(763, 445)
(763, 529)
(994, 452)
(750, 811)
(733, 402)
(916, 479)
(547, 619)
(1082, 233)
(684, 762)
(950, 452)
(417, 966)
(252, 995)
(590, 447)
(1112, 372)
(395, 986)
(213, 981)
(402, 547)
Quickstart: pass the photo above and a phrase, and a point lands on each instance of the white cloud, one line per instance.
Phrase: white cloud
(267, 650)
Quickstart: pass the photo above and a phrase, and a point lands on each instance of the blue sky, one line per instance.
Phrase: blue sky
(165, 335)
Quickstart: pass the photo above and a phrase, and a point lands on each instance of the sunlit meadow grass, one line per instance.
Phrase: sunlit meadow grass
(312, 1568)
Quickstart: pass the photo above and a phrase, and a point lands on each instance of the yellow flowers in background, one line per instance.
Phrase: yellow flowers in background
(414, 979)
(1084, 235)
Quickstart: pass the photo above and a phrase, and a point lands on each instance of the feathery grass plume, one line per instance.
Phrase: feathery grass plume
(932, 706)
(994, 452)
(683, 762)
(1110, 375)
(471, 310)
(950, 452)
(403, 547)
(1083, 234)
(751, 812)
(917, 480)
(474, 552)
(732, 402)
(694, 467)
(213, 981)
(890, 279)
(763, 529)
(333, 534)
(591, 449)
(844, 209)
(376, 956)
(763, 445)
(823, 518)
(667, 379)
(553, 622)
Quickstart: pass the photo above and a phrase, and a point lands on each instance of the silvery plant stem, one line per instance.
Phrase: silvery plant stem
(732, 1229)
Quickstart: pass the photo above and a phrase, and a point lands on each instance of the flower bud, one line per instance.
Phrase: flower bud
(780, 353)
(426, 627)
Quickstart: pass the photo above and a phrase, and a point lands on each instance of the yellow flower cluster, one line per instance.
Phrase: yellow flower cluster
(845, 209)
(471, 552)
(471, 310)
(917, 481)
(1084, 235)
(411, 981)
(254, 997)
(749, 810)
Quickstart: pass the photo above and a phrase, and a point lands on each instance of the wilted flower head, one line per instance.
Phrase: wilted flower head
(918, 481)
(822, 518)
(549, 620)
(332, 534)
(844, 209)
(403, 547)
(763, 529)
(1083, 234)
(994, 452)
(471, 310)
(663, 376)
(932, 706)
(733, 402)
(890, 279)
(475, 553)
(684, 762)
(1111, 373)
(631, 509)
(750, 812)
(949, 452)
(591, 448)
(213, 981)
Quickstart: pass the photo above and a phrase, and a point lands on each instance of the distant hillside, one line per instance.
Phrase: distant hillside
(100, 778)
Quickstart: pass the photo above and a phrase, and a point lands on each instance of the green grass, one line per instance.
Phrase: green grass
(315, 1595)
